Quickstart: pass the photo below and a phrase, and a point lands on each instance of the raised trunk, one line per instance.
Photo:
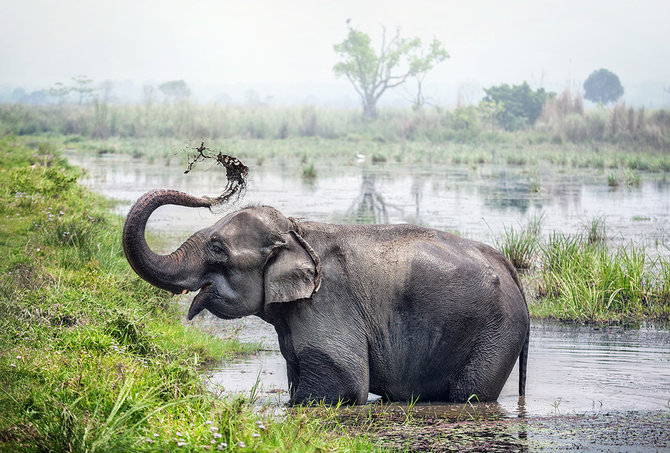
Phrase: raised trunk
(174, 272)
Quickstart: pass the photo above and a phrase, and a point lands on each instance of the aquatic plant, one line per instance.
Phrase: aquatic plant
(595, 230)
(309, 171)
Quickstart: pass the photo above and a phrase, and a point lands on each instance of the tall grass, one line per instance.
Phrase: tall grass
(563, 120)
(581, 279)
(519, 245)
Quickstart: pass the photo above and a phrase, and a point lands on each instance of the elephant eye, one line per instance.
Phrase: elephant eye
(218, 248)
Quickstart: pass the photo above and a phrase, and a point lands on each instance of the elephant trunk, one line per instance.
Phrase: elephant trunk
(177, 271)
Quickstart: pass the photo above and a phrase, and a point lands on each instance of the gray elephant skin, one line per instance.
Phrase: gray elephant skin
(401, 311)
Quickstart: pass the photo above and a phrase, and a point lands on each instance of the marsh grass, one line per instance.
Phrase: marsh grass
(519, 245)
(582, 280)
(309, 171)
(595, 230)
(95, 359)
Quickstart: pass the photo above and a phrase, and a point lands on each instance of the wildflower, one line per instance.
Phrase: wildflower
(214, 428)
(208, 422)
(18, 357)
(217, 436)
(181, 444)
(255, 435)
(178, 434)
(241, 444)
(12, 365)
(222, 445)
(155, 435)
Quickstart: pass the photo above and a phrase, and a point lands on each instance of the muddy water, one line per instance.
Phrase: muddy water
(572, 370)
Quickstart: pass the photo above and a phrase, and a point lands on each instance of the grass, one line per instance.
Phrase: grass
(578, 278)
(582, 280)
(300, 152)
(519, 245)
(616, 138)
(95, 359)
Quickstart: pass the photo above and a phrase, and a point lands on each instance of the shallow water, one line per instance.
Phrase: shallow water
(571, 369)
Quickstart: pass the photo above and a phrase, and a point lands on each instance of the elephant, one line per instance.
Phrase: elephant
(401, 311)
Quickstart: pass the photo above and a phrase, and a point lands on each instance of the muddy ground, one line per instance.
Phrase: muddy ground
(621, 431)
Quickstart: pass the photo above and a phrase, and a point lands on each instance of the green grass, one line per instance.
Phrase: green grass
(520, 245)
(582, 280)
(578, 278)
(95, 359)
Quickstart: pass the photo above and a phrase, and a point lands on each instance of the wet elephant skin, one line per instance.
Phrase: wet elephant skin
(402, 311)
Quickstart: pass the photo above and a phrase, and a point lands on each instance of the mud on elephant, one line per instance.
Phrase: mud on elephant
(397, 310)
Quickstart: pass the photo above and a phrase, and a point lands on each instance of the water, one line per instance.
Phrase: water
(478, 204)
(571, 369)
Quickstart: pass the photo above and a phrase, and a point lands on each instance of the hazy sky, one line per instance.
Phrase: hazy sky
(264, 42)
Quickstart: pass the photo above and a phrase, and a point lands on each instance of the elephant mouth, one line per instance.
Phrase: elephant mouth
(200, 301)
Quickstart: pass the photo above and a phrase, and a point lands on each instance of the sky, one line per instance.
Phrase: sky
(284, 48)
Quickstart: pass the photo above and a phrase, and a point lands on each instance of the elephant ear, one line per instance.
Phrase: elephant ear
(294, 272)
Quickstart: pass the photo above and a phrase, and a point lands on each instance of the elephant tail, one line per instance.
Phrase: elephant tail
(523, 361)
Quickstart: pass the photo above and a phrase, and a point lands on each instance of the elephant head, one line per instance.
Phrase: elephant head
(247, 260)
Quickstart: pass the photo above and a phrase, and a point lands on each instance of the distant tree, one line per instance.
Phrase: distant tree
(149, 95)
(82, 85)
(252, 98)
(468, 92)
(421, 64)
(490, 110)
(175, 90)
(39, 97)
(521, 106)
(372, 74)
(18, 94)
(603, 87)
(60, 92)
(106, 88)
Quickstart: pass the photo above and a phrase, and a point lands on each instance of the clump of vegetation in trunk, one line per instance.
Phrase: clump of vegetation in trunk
(236, 173)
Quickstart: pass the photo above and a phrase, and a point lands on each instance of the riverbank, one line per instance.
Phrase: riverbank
(95, 359)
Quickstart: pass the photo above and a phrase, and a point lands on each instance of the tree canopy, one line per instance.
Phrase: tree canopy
(520, 106)
(603, 87)
(176, 90)
(372, 74)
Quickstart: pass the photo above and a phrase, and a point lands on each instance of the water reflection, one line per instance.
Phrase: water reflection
(369, 206)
